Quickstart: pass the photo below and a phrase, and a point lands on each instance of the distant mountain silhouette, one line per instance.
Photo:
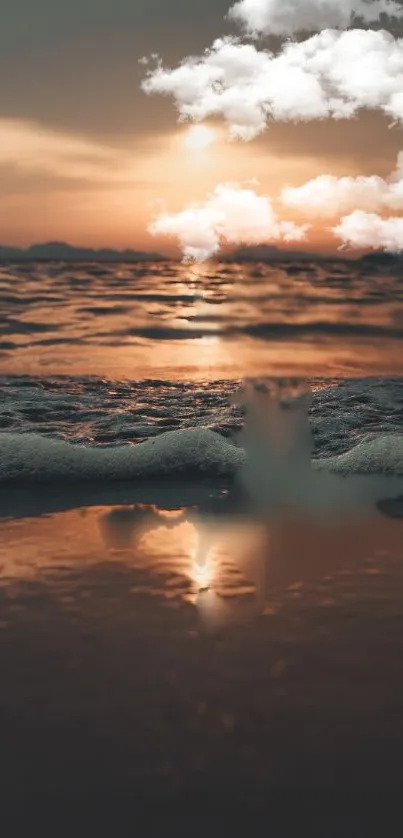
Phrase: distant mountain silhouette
(268, 253)
(60, 251)
(381, 259)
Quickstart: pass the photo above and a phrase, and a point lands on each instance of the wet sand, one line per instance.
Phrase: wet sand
(203, 662)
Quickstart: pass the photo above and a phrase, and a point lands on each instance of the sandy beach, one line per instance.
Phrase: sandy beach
(184, 656)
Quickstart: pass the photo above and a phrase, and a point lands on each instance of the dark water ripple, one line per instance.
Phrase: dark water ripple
(167, 323)
(106, 412)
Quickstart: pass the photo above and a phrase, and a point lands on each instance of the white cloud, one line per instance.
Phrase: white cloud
(363, 229)
(328, 195)
(330, 75)
(285, 17)
(230, 214)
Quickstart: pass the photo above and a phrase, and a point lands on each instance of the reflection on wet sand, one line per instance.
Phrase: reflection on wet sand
(126, 526)
(229, 565)
(296, 558)
(148, 651)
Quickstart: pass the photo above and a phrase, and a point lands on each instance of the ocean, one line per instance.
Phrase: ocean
(119, 353)
(201, 593)
(173, 322)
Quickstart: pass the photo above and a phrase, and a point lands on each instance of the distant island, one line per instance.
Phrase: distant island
(382, 259)
(62, 252)
(271, 253)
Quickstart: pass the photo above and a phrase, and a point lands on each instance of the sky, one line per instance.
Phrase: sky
(86, 156)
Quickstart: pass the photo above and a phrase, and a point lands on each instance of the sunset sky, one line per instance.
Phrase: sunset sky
(86, 155)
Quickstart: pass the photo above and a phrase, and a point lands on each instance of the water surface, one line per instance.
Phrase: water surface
(162, 640)
(172, 321)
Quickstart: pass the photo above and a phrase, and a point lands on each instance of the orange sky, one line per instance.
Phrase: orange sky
(64, 186)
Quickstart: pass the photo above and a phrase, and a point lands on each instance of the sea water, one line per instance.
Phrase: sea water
(200, 530)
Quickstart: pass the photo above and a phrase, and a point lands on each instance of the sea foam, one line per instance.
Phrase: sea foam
(273, 461)
(32, 458)
(35, 458)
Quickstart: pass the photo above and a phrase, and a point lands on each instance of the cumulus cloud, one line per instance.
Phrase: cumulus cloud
(364, 229)
(285, 17)
(332, 74)
(328, 195)
(231, 214)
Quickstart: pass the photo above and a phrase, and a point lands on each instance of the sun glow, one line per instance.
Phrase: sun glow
(203, 575)
(199, 137)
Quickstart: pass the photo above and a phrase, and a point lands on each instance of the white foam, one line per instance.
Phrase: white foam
(274, 471)
(380, 455)
(38, 459)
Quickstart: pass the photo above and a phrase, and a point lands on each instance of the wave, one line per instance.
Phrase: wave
(381, 455)
(33, 458)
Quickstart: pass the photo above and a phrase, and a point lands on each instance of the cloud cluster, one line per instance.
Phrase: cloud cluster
(328, 195)
(236, 215)
(285, 17)
(333, 74)
(364, 229)
(231, 214)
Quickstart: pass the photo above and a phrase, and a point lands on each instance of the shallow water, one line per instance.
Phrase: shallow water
(90, 410)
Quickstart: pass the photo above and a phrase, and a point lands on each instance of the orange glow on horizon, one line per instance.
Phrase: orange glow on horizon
(90, 194)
